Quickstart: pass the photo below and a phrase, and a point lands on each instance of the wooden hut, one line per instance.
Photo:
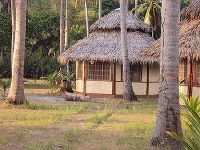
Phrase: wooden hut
(189, 50)
(99, 61)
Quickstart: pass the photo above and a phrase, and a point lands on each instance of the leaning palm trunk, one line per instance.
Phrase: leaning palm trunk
(128, 89)
(62, 25)
(168, 114)
(16, 93)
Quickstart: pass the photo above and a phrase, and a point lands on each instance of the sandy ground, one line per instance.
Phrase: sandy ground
(38, 97)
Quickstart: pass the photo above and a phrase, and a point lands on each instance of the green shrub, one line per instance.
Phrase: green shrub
(191, 140)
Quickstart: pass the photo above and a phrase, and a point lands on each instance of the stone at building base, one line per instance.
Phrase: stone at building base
(76, 97)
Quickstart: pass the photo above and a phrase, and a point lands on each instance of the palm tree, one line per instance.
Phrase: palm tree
(13, 13)
(100, 9)
(66, 30)
(62, 25)
(86, 18)
(16, 93)
(136, 6)
(66, 23)
(168, 113)
(128, 89)
(151, 11)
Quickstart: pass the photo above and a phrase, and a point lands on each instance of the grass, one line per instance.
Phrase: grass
(93, 125)
(38, 114)
(98, 125)
(39, 87)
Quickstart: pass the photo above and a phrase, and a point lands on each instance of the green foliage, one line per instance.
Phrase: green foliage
(59, 78)
(5, 33)
(191, 139)
(42, 34)
(5, 45)
(150, 12)
(185, 3)
(109, 5)
(5, 84)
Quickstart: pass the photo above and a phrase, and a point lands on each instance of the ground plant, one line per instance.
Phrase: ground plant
(191, 138)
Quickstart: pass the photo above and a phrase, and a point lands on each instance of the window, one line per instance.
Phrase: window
(183, 71)
(198, 73)
(136, 73)
(99, 71)
(80, 70)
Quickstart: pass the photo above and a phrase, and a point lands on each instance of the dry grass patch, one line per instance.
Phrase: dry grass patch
(38, 114)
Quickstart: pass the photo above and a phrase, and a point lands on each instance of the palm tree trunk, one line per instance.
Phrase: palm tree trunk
(168, 113)
(66, 29)
(13, 13)
(66, 23)
(136, 6)
(16, 93)
(62, 26)
(86, 18)
(100, 9)
(128, 89)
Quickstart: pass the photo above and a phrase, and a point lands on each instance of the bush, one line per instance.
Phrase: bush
(191, 140)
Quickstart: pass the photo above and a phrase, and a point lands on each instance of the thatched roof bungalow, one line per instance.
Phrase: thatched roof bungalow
(189, 50)
(103, 43)
(98, 57)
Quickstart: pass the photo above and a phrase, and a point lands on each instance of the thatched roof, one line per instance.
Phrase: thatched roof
(103, 43)
(112, 22)
(189, 39)
(105, 46)
(192, 12)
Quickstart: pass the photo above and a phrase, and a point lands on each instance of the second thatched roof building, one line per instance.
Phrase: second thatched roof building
(189, 50)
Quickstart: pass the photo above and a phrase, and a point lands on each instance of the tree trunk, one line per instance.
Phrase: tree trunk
(86, 18)
(66, 23)
(128, 89)
(16, 93)
(66, 29)
(100, 9)
(62, 26)
(168, 113)
(13, 13)
(136, 5)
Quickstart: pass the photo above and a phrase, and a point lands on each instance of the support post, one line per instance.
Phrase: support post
(147, 89)
(113, 78)
(85, 76)
(190, 86)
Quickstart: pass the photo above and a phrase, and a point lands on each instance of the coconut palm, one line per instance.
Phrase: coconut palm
(151, 11)
(16, 93)
(128, 89)
(66, 23)
(62, 25)
(168, 113)
(86, 17)
(100, 9)
(13, 13)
